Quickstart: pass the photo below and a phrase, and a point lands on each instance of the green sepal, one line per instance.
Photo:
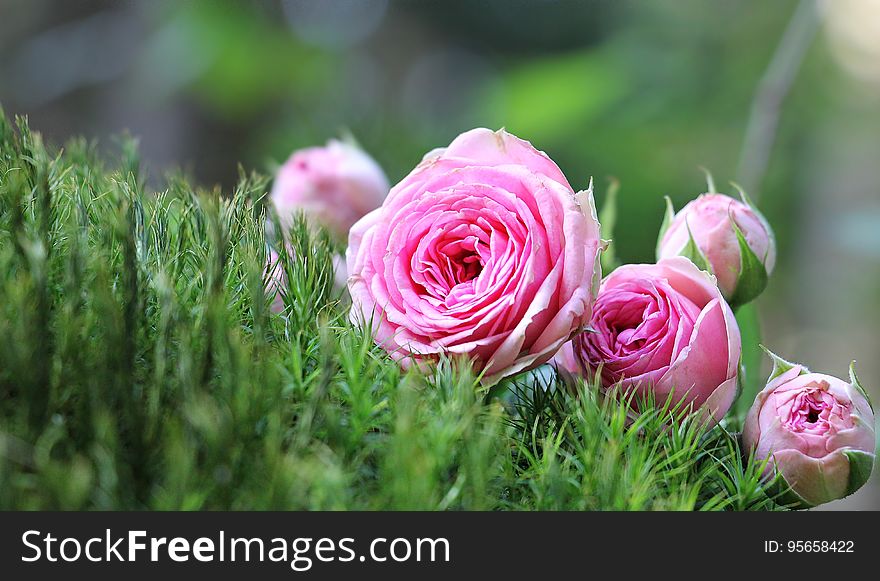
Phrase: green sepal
(854, 380)
(740, 382)
(752, 278)
(607, 219)
(693, 252)
(668, 217)
(748, 202)
(347, 137)
(744, 197)
(860, 466)
(710, 181)
(780, 365)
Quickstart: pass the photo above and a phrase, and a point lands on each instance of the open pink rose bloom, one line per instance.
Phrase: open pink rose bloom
(662, 328)
(483, 250)
(817, 430)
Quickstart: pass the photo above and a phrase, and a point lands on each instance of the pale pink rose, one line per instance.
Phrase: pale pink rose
(710, 220)
(484, 250)
(334, 185)
(276, 280)
(661, 328)
(818, 431)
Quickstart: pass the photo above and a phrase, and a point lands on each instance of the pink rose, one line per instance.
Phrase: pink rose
(663, 328)
(713, 220)
(484, 250)
(818, 431)
(335, 185)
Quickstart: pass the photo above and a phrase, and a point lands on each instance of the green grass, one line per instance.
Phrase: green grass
(141, 368)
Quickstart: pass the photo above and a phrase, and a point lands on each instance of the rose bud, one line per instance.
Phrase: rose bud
(816, 431)
(726, 237)
(334, 185)
(662, 329)
(483, 251)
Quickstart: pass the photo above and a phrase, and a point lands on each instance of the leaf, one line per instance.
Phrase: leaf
(860, 466)
(780, 365)
(854, 379)
(751, 382)
(668, 217)
(545, 97)
(607, 220)
(693, 252)
(752, 279)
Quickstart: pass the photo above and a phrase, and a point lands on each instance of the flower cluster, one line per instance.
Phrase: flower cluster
(485, 251)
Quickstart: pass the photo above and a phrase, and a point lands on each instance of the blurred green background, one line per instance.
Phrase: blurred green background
(642, 91)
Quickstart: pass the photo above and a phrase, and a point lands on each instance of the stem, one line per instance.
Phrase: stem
(771, 93)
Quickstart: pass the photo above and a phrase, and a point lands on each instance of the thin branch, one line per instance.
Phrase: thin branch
(771, 93)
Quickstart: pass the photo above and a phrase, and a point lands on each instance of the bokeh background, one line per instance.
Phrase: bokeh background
(642, 91)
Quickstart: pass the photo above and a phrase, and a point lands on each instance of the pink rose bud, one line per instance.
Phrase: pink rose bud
(816, 430)
(664, 329)
(727, 237)
(484, 250)
(334, 185)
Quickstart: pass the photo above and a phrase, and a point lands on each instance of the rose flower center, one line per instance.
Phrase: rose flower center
(810, 410)
(625, 334)
(450, 266)
(463, 263)
(632, 325)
